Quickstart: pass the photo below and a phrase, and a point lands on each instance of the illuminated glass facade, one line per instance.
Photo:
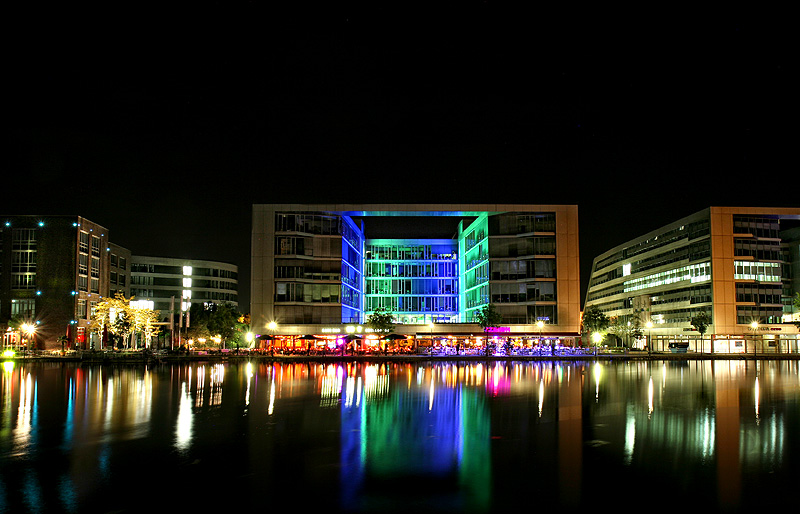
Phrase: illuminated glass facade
(318, 264)
(729, 263)
(416, 279)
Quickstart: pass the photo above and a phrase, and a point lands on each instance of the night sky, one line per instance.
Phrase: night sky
(165, 126)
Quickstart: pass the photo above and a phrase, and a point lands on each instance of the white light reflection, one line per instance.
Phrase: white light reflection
(183, 431)
(650, 397)
(22, 432)
(271, 407)
(541, 396)
(349, 392)
(430, 397)
(630, 434)
(757, 395)
(597, 371)
(249, 374)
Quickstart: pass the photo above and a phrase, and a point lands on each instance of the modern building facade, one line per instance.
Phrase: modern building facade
(738, 265)
(53, 270)
(322, 269)
(170, 284)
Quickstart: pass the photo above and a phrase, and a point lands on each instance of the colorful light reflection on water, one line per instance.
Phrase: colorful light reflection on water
(462, 437)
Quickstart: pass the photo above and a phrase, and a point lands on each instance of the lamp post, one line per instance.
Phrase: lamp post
(272, 326)
(540, 325)
(754, 328)
(596, 338)
(30, 331)
(649, 326)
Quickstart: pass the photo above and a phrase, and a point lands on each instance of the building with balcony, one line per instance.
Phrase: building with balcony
(323, 269)
(738, 265)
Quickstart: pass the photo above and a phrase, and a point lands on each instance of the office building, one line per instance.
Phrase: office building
(323, 269)
(738, 265)
(53, 270)
(170, 284)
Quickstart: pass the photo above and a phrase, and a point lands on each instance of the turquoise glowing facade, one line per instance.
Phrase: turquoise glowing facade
(316, 266)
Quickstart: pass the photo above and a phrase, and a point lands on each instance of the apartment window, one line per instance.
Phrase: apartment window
(23, 239)
(83, 242)
(24, 308)
(23, 281)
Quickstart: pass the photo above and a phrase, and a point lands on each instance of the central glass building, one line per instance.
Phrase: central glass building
(318, 269)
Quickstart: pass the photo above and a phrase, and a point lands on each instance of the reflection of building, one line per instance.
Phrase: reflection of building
(164, 280)
(317, 268)
(440, 442)
(733, 264)
(53, 269)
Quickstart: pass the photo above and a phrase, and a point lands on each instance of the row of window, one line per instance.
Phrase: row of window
(409, 286)
(690, 232)
(522, 223)
(758, 293)
(216, 296)
(408, 252)
(521, 292)
(413, 304)
(159, 269)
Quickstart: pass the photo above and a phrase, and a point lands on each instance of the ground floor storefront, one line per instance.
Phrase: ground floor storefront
(426, 341)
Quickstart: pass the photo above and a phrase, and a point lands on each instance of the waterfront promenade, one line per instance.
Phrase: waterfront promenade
(120, 357)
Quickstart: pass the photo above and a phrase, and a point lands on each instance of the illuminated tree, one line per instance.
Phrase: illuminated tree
(122, 321)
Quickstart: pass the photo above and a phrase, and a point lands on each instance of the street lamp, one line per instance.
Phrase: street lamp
(596, 338)
(30, 330)
(272, 326)
(540, 325)
(754, 328)
(649, 326)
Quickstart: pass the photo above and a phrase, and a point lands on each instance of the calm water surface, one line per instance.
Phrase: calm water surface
(410, 437)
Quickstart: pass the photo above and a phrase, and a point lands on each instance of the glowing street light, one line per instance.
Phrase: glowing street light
(649, 326)
(754, 328)
(30, 330)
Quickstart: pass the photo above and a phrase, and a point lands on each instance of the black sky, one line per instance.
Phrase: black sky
(173, 122)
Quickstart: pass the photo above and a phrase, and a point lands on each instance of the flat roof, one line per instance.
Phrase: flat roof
(406, 209)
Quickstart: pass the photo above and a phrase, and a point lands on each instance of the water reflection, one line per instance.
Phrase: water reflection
(469, 436)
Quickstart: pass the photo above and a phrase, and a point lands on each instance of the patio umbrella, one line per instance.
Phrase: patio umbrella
(394, 337)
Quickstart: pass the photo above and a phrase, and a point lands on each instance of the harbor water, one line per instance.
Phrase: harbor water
(400, 436)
